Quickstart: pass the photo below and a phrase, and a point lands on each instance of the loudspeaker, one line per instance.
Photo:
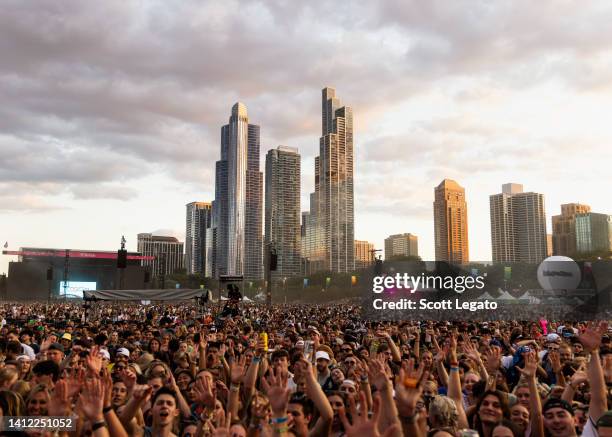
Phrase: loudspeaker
(147, 277)
(50, 274)
(121, 259)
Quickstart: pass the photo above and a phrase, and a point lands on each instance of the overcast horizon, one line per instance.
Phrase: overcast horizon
(111, 112)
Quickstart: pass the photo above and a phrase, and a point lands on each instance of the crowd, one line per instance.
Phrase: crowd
(298, 370)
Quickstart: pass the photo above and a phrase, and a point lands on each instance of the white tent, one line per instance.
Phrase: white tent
(531, 299)
(506, 296)
(485, 296)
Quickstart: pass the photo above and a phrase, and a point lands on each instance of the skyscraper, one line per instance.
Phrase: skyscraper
(363, 254)
(564, 228)
(401, 245)
(330, 227)
(238, 199)
(167, 253)
(450, 223)
(593, 233)
(518, 225)
(198, 220)
(282, 217)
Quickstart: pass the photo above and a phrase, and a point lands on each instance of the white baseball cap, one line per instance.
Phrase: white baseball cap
(123, 351)
(322, 354)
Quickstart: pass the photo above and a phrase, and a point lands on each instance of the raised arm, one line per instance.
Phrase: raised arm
(529, 372)
(408, 389)
(454, 384)
(315, 394)
(379, 377)
(591, 340)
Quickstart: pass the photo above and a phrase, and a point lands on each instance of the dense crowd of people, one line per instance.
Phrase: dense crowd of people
(121, 369)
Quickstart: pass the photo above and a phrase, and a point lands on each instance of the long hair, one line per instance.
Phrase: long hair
(503, 403)
(11, 403)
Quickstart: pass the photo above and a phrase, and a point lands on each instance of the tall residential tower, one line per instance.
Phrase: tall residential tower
(518, 225)
(282, 217)
(329, 227)
(238, 199)
(450, 223)
(197, 222)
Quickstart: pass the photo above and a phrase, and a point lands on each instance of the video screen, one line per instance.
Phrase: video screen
(75, 288)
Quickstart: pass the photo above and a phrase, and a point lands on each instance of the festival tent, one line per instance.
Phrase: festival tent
(485, 296)
(529, 298)
(505, 296)
(152, 295)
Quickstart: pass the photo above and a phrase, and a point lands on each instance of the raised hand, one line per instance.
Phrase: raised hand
(591, 337)
(142, 393)
(204, 392)
(531, 366)
(409, 387)
(493, 360)
(59, 403)
(377, 374)
(94, 361)
(128, 377)
(362, 426)
(471, 351)
(237, 370)
(221, 430)
(579, 377)
(555, 361)
(275, 387)
(91, 400)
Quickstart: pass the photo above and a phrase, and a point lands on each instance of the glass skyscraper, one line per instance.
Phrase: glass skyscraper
(329, 227)
(238, 199)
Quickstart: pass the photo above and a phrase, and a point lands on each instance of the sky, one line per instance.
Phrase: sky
(110, 112)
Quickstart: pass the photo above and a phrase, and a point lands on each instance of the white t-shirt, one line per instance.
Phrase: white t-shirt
(589, 429)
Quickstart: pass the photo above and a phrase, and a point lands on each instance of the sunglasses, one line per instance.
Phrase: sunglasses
(350, 362)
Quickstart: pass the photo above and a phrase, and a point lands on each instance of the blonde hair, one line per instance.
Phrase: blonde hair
(7, 374)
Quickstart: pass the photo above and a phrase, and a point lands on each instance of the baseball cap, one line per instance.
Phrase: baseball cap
(322, 354)
(557, 403)
(123, 351)
(104, 354)
(553, 338)
(67, 336)
(56, 347)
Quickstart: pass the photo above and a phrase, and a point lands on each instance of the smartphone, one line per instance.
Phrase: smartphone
(308, 347)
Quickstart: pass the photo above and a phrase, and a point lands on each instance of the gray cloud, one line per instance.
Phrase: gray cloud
(96, 95)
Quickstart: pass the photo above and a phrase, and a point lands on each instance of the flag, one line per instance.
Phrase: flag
(305, 282)
(353, 280)
(5, 244)
(327, 281)
(507, 273)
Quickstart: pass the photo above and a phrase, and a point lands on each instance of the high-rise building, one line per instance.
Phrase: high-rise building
(167, 253)
(238, 200)
(518, 225)
(282, 217)
(450, 223)
(330, 226)
(564, 228)
(401, 245)
(198, 221)
(549, 245)
(363, 254)
(593, 233)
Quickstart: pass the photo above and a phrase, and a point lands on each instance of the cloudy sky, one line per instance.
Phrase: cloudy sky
(110, 112)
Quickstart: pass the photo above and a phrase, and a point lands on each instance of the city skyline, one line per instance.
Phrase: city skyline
(108, 117)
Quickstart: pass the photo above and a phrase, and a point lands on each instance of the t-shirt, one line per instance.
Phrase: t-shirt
(589, 429)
